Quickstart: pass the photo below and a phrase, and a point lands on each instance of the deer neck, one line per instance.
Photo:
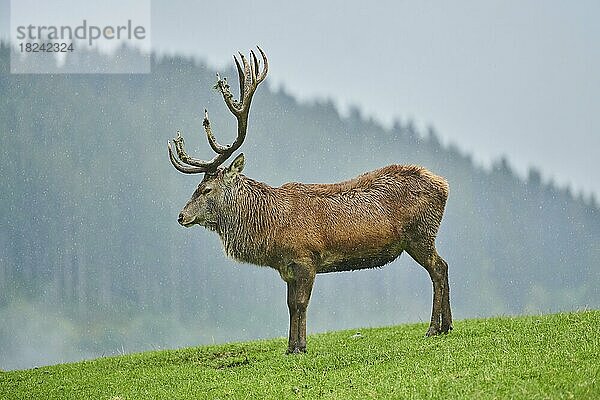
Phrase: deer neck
(246, 226)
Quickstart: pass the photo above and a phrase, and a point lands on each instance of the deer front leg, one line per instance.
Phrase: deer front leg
(304, 287)
(293, 310)
(299, 291)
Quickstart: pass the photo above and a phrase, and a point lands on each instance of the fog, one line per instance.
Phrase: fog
(496, 78)
(500, 98)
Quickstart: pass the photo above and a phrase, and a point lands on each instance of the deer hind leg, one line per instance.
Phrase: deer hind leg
(446, 311)
(299, 291)
(426, 256)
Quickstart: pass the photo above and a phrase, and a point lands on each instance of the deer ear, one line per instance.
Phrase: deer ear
(237, 165)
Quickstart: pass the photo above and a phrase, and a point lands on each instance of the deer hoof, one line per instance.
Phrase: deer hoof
(432, 331)
(296, 350)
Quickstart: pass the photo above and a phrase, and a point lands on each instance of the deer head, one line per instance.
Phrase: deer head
(211, 193)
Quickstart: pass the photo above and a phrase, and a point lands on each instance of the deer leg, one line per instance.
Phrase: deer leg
(300, 279)
(446, 311)
(426, 256)
(293, 310)
(304, 286)
(434, 326)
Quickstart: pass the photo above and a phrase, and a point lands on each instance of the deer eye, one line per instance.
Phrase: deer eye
(206, 190)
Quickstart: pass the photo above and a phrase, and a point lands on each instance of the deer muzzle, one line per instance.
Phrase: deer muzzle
(185, 220)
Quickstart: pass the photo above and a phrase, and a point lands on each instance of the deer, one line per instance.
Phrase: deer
(302, 230)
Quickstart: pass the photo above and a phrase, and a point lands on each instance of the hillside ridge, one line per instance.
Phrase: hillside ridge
(541, 356)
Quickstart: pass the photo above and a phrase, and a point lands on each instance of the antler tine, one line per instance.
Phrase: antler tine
(194, 166)
(263, 74)
(182, 154)
(253, 66)
(241, 76)
(212, 141)
(223, 87)
(181, 167)
(203, 166)
(248, 82)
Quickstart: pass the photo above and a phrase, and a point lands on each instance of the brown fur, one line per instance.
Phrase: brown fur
(361, 223)
(302, 230)
(305, 229)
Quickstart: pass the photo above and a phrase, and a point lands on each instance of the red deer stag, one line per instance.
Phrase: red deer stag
(306, 229)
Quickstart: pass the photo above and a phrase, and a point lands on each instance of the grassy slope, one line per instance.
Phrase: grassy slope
(553, 356)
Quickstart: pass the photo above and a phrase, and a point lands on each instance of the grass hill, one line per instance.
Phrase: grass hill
(92, 258)
(534, 357)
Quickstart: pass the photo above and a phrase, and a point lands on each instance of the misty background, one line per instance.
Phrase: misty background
(515, 78)
(501, 98)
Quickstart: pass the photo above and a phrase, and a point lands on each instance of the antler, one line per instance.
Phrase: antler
(250, 76)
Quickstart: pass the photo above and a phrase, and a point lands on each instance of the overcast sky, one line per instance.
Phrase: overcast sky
(514, 78)
(520, 78)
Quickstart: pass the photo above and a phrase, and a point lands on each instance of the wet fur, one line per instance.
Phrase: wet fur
(364, 222)
(302, 230)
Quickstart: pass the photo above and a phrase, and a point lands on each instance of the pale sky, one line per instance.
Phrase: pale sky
(514, 78)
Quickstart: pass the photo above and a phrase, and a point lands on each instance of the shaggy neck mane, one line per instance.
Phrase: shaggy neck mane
(243, 225)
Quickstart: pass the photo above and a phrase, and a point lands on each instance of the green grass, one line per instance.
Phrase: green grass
(536, 357)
